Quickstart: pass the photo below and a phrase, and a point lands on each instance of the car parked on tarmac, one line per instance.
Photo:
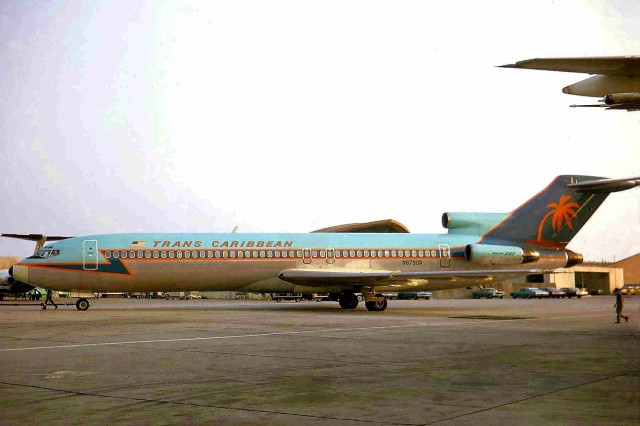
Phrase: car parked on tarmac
(407, 295)
(556, 293)
(630, 289)
(574, 292)
(415, 295)
(529, 293)
(489, 293)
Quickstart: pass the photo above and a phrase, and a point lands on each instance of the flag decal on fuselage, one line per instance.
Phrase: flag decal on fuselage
(138, 243)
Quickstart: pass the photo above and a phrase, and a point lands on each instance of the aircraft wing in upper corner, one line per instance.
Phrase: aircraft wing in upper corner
(616, 79)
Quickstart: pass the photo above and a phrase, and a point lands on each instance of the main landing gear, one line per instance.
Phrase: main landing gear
(372, 302)
(376, 305)
(348, 301)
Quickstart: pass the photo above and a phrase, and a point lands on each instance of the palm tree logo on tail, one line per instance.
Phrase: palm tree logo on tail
(562, 213)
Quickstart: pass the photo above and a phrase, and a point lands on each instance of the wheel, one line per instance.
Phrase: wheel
(376, 306)
(489, 297)
(348, 301)
(82, 304)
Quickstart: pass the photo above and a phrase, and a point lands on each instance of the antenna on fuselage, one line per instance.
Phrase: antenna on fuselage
(235, 229)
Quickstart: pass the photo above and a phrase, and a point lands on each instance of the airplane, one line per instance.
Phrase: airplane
(344, 260)
(617, 79)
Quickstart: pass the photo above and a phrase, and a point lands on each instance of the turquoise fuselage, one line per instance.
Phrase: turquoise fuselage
(240, 262)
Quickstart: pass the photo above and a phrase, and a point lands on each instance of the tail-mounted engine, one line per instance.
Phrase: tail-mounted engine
(494, 255)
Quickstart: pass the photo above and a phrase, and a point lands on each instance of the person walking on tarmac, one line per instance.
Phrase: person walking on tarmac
(619, 305)
(48, 300)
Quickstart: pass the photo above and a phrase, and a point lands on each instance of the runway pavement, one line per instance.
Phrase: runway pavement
(443, 362)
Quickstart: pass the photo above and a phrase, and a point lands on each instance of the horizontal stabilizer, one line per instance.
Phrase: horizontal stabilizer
(35, 237)
(39, 239)
(605, 185)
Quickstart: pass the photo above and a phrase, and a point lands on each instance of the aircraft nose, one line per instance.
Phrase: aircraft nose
(19, 273)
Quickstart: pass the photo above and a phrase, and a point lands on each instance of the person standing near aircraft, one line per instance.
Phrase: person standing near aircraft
(619, 305)
(48, 300)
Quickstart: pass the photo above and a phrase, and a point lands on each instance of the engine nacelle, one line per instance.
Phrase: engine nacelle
(621, 98)
(486, 254)
(471, 223)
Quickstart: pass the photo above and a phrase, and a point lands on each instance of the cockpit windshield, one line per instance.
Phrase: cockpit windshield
(46, 253)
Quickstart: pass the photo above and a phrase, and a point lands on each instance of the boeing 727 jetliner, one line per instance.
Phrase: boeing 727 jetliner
(478, 248)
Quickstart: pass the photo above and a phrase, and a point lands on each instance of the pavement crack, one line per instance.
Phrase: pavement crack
(67, 392)
(526, 399)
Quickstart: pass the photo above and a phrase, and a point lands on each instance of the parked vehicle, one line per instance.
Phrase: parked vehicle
(529, 293)
(489, 293)
(556, 293)
(279, 297)
(630, 289)
(574, 292)
(414, 295)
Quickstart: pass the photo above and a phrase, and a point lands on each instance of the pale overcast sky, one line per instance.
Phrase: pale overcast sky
(130, 116)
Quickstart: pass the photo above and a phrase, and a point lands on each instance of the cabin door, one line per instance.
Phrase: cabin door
(90, 255)
(445, 256)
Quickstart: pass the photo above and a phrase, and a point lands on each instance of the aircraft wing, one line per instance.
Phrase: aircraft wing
(343, 276)
(610, 65)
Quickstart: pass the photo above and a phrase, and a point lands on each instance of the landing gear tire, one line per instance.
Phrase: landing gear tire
(348, 301)
(376, 306)
(82, 304)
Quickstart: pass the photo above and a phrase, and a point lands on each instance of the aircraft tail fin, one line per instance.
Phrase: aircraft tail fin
(556, 214)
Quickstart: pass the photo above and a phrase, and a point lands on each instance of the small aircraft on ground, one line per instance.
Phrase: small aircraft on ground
(366, 259)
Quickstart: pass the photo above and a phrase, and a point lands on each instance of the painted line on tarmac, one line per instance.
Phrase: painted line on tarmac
(286, 333)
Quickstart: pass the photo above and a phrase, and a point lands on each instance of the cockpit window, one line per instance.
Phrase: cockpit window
(47, 253)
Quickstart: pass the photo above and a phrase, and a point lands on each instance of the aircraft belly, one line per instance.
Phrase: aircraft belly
(159, 275)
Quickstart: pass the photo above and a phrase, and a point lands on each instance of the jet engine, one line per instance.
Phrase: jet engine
(622, 98)
(486, 254)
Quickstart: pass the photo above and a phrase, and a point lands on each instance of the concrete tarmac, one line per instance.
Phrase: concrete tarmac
(444, 362)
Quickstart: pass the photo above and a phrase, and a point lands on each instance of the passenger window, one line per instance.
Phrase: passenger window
(124, 254)
(116, 254)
